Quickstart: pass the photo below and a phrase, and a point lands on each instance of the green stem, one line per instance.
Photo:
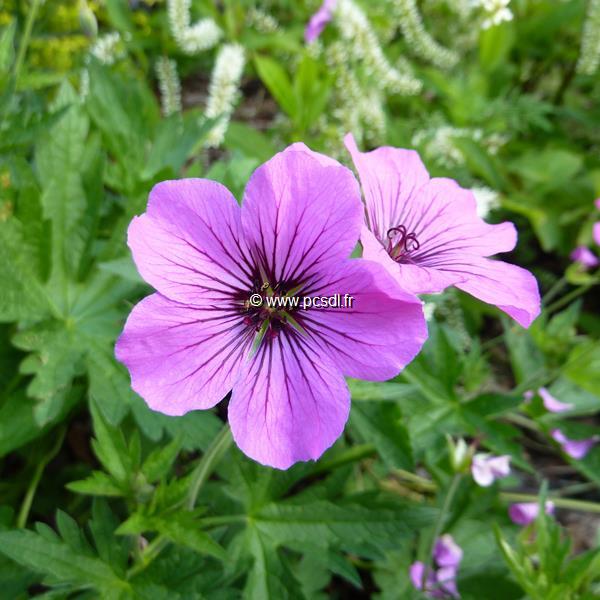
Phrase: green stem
(579, 291)
(440, 523)
(26, 37)
(351, 455)
(35, 480)
(582, 505)
(207, 463)
(555, 289)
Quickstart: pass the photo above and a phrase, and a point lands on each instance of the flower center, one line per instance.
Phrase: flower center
(269, 309)
(401, 243)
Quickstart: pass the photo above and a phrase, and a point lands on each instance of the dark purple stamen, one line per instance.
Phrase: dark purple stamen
(404, 243)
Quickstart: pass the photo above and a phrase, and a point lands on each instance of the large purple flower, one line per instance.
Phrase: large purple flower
(427, 234)
(199, 337)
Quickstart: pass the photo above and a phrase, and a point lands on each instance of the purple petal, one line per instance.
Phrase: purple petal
(500, 465)
(180, 357)
(188, 243)
(512, 289)
(302, 214)
(447, 552)
(551, 403)
(596, 233)
(528, 395)
(576, 449)
(446, 580)
(585, 257)
(416, 572)
(485, 468)
(319, 20)
(597, 203)
(390, 179)
(290, 405)
(378, 335)
(481, 471)
(524, 513)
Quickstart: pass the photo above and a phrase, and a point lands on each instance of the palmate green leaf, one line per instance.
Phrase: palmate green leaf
(112, 550)
(355, 522)
(58, 158)
(381, 423)
(159, 461)
(54, 361)
(21, 294)
(270, 578)
(60, 562)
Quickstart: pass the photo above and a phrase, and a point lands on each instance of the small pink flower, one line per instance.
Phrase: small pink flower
(440, 582)
(528, 395)
(319, 21)
(585, 257)
(576, 449)
(486, 468)
(524, 513)
(597, 203)
(596, 233)
(446, 552)
(551, 403)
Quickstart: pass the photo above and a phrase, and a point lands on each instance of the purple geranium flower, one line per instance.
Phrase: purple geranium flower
(486, 468)
(427, 234)
(199, 336)
(524, 513)
(551, 404)
(576, 449)
(439, 582)
(319, 20)
(585, 257)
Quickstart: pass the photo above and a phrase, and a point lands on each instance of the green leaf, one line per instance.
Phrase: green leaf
(276, 80)
(21, 294)
(269, 578)
(58, 560)
(54, 360)
(109, 446)
(248, 140)
(158, 463)
(381, 423)
(97, 484)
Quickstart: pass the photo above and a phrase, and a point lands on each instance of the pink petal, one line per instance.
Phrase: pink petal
(301, 214)
(378, 335)
(500, 465)
(390, 179)
(576, 449)
(319, 20)
(180, 357)
(596, 233)
(188, 243)
(481, 471)
(528, 395)
(446, 580)
(512, 289)
(551, 403)
(584, 256)
(597, 203)
(447, 552)
(290, 405)
(524, 513)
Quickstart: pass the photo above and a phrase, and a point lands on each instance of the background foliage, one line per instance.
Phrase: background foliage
(99, 496)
